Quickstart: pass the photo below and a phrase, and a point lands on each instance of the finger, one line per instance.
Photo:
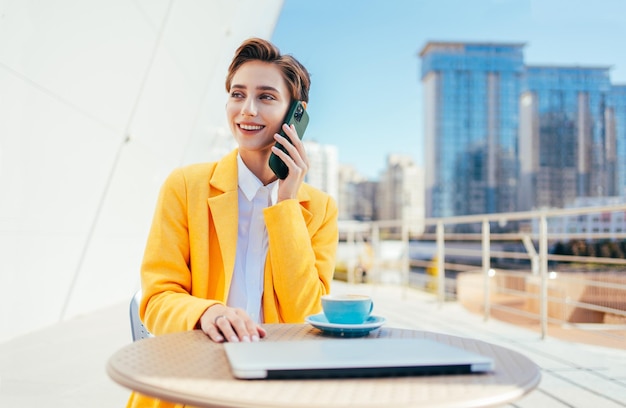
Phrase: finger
(210, 329)
(296, 153)
(292, 133)
(214, 334)
(294, 169)
(245, 328)
(280, 153)
(294, 138)
(241, 332)
(297, 143)
(292, 143)
(284, 142)
(224, 325)
(256, 331)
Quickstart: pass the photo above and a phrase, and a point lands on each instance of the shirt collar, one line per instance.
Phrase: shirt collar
(250, 184)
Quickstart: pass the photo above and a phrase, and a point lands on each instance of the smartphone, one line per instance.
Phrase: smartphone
(297, 116)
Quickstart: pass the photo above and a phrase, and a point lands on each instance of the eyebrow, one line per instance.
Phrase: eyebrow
(260, 88)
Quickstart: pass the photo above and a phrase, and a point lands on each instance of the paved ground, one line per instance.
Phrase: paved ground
(63, 365)
(573, 374)
(607, 335)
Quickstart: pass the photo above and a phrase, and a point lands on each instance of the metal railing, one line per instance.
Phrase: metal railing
(553, 288)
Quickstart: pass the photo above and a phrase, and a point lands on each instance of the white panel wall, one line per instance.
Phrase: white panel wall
(99, 101)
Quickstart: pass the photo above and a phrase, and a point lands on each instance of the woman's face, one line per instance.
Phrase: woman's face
(257, 105)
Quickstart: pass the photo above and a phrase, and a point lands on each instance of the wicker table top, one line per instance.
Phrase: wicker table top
(189, 368)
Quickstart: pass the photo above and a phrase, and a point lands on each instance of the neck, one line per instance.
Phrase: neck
(258, 165)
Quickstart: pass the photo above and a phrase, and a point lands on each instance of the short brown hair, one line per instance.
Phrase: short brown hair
(256, 49)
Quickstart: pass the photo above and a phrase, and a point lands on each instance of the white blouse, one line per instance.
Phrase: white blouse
(246, 288)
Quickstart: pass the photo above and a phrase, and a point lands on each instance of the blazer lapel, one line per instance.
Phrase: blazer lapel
(223, 205)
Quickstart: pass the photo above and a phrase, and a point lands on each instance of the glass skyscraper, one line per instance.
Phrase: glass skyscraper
(471, 99)
(567, 142)
(618, 98)
(501, 136)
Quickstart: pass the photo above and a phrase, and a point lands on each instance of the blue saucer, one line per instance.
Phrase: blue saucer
(319, 321)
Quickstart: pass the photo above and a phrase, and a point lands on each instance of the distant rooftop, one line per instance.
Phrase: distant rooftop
(569, 66)
(461, 45)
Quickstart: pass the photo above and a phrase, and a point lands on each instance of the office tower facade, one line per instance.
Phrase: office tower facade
(504, 136)
(471, 100)
(618, 115)
(567, 138)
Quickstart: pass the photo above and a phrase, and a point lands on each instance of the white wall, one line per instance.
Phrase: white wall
(99, 101)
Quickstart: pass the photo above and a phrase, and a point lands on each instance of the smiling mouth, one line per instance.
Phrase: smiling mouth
(251, 127)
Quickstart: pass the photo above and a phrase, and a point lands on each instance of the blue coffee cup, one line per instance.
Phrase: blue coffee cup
(347, 309)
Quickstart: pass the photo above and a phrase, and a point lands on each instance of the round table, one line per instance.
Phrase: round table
(189, 368)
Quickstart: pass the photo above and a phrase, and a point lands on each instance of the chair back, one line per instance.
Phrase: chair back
(138, 330)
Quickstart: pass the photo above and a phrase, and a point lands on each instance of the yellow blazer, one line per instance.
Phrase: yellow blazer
(190, 254)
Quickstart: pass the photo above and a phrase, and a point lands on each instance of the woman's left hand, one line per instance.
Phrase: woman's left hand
(223, 323)
(297, 162)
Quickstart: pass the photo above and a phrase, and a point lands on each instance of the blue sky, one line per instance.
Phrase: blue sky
(366, 95)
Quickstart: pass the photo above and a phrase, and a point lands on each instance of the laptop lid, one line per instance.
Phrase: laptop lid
(351, 358)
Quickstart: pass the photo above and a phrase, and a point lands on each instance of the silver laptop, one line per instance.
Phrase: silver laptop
(351, 358)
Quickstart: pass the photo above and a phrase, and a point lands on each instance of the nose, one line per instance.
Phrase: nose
(249, 107)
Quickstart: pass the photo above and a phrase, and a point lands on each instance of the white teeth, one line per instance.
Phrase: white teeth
(251, 127)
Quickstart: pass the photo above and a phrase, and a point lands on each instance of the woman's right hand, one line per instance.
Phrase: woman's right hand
(296, 161)
(223, 323)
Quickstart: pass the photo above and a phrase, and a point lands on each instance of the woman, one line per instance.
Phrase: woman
(231, 246)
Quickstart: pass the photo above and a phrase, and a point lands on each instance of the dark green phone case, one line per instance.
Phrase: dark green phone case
(298, 116)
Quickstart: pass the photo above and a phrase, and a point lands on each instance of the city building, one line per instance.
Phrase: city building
(357, 195)
(400, 193)
(567, 139)
(471, 99)
(323, 167)
(618, 98)
(367, 201)
(613, 222)
(502, 136)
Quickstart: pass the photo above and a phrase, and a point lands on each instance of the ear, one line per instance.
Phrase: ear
(304, 104)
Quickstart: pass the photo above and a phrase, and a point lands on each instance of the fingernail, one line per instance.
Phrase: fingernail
(234, 339)
(219, 339)
(255, 337)
(246, 339)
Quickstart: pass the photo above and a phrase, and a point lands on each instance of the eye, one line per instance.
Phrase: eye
(236, 94)
(267, 97)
